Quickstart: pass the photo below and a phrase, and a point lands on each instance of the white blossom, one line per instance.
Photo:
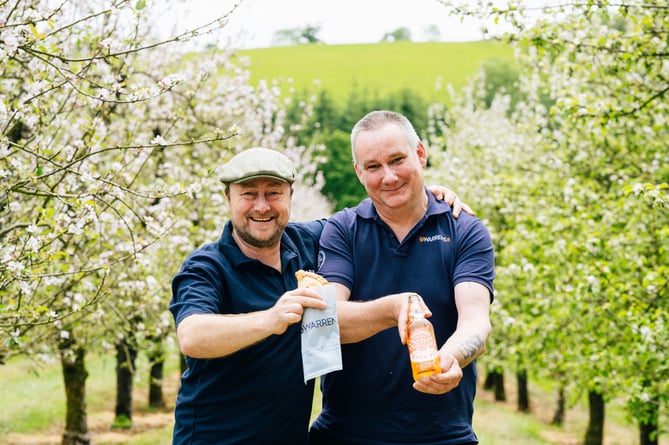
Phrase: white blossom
(75, 228)
(171, 80)
(25, 287)
(110, 44)
(158, 140)
(15, 267)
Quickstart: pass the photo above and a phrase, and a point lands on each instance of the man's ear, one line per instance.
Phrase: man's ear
(358, 172)
(421, 152)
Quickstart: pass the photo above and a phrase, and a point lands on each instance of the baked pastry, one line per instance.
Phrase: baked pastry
(309, 279)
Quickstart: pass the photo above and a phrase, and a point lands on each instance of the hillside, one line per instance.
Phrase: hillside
(424, 68)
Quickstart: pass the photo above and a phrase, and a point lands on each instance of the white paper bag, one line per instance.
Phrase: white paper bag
(321, 346)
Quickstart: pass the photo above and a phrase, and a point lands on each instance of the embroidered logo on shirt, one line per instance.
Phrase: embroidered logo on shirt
(433, 238)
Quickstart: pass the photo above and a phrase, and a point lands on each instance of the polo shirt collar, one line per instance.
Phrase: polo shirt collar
(231, 250)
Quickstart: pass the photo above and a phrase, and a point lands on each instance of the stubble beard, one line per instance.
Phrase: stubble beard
(251, 240)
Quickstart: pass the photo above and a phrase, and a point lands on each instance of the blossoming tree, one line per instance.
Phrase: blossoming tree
(586, 258)
(109, 139)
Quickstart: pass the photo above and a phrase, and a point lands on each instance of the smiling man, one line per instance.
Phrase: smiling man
(237, 309)
(399, 242)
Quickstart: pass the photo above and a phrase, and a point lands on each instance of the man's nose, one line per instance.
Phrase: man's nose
(261, 203)
(389, 174)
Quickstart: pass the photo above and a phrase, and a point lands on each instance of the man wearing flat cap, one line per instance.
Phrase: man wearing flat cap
(237, 309)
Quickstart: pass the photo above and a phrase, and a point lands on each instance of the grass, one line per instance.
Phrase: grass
(425, 68)
(33, 410)
(33, 401)
(21, 385)
(509, 427)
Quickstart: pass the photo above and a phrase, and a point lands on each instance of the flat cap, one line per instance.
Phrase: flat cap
(257, 162)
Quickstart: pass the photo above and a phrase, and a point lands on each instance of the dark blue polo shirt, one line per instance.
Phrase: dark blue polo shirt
(256, 395)
(372, 401)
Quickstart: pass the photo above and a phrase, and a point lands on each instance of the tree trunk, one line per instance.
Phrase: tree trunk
(74, 378)
(495, 382)
(126, 354)
(595, 433)
(489, 382)
(648, 434)
(648, 427)
(523, 392)
(558, 417)
(157, 361)
(500, 393)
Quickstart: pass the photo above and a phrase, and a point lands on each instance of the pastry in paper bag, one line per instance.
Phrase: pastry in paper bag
(321, 347)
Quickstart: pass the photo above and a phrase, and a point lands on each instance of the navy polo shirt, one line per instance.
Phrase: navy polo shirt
(256, 395)
(372, 401)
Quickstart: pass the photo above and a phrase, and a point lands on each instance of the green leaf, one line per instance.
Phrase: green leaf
(140, 5)
(38, 35)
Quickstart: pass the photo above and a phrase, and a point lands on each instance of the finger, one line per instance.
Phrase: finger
(457, 207)
(306, 292)
(438, 383)
(439, 192)
(424, 384)
(291, 314)
(423, 306)
(468, 209)
(312, 302)
(306, 299)
(315, 304)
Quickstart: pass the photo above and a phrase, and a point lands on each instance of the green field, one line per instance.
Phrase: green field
(425, 68)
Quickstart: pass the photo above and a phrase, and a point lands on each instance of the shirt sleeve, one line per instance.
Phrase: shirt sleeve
(313, 228)
(196, 289)
(475, 256)
(335, 259)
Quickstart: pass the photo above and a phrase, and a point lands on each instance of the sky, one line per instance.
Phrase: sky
(254, 22)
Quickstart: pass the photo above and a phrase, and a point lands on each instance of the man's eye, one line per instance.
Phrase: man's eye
(372, 167)
(396, 160)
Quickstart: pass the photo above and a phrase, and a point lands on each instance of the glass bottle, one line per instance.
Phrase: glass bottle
(421, 341)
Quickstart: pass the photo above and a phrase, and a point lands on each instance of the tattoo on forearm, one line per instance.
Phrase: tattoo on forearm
(471, 346)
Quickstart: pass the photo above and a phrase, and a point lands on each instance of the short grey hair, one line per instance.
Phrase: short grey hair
(377, 119)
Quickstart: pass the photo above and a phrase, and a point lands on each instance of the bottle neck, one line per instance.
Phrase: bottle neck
(414, 308)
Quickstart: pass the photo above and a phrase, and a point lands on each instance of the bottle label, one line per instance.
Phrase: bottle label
(422, 346)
